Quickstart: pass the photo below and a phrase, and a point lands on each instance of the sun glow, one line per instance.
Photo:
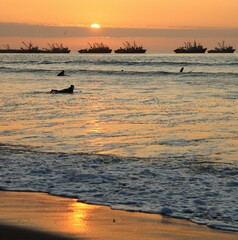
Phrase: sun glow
(95, 25)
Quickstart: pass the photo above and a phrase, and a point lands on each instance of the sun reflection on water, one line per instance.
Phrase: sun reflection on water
(80, 214)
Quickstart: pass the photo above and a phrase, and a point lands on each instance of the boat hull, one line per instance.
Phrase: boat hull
(94, 51)
(130, 51)
(190, 51)
(216, 51)
(31, 51)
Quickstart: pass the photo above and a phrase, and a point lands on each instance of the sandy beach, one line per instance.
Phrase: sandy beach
(32, 216)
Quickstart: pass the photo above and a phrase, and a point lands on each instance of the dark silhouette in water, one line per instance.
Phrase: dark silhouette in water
(66, 90)
(96, 48)
(130, 48)
(61, 73)
(30, 48)
(222, 49)
(191, 48)
(181, 70)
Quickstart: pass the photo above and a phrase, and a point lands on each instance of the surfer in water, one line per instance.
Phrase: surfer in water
(66, 90)
(181, 70)
(61, 73)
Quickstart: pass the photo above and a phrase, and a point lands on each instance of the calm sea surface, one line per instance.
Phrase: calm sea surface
(136, 134)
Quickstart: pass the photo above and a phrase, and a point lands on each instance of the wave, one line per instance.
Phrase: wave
(164, 73)
(118, 62)
(115, 62)
(25, 70)
(155, 63)
(187, 186)
(26, 62)
(191, 73)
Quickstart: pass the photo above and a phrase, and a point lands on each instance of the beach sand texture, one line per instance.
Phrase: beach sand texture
(25, 215)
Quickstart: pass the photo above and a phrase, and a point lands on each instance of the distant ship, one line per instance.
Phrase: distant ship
(130, 48)
(222, 49)
(189, 48)
(30, 48)
(56, 48)
(96, 48)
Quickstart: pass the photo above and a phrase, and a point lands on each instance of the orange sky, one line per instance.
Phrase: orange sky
(123, 14)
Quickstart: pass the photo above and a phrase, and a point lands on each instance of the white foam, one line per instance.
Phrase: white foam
(168, 186)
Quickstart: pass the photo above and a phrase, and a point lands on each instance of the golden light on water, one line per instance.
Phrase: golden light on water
(78, 221)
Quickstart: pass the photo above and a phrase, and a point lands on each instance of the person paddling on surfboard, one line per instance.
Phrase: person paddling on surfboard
(181, 70)
(61, 73)
(66, 90)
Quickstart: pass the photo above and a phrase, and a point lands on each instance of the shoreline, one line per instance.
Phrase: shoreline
(34, 215)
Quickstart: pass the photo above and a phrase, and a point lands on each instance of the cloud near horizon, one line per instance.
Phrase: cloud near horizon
(44, 31)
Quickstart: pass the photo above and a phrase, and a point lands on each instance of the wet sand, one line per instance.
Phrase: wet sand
(36, 216)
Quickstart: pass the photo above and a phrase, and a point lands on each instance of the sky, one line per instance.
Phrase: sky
(159, 25)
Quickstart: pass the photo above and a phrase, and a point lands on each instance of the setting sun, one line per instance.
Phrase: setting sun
(95, 25)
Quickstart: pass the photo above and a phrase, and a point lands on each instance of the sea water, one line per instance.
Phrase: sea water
(135, 135)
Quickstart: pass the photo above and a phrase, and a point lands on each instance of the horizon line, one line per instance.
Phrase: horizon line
(12, 29)
(115, 27)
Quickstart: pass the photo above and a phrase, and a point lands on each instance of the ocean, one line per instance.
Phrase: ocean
(136, 135)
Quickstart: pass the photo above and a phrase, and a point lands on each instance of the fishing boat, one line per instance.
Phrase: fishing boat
(130, 48)
(96, 48)
(30, 48)
(191, 48)
(222, 49)
(56, 48)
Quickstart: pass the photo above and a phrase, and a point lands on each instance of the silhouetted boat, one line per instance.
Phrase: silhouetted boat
(222, 49)
(189, 48)
(96, 48)
(130, 48)
(30, 48)
(56, 48)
